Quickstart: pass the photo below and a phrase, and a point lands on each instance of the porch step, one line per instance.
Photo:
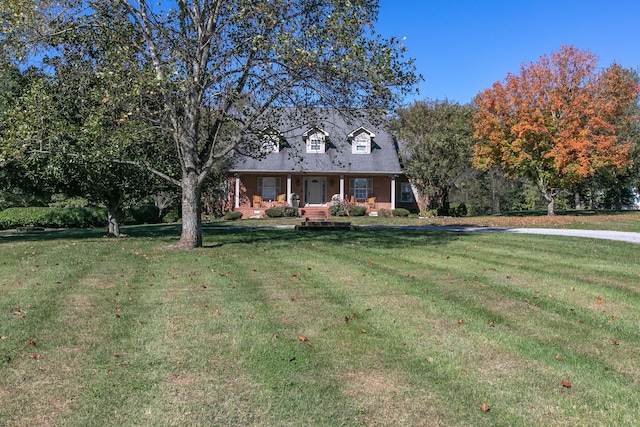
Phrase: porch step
(314, 214)
(325, 225)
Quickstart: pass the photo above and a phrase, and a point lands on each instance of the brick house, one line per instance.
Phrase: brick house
(310, 164)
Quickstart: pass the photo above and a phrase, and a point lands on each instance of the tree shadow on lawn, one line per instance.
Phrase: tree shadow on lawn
(393, 237)
(147, 230)
(396, 237)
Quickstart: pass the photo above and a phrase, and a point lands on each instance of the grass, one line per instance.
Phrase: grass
(373, 327)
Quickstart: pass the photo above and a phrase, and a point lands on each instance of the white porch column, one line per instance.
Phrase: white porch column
(393, 192)
(341, 187)
(237, 192)
(288, 189)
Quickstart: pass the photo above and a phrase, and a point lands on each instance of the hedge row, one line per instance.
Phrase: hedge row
(72, 217)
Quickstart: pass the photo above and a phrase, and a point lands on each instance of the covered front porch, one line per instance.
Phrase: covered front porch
(253, 193)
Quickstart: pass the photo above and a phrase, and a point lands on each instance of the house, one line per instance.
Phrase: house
(314, 160)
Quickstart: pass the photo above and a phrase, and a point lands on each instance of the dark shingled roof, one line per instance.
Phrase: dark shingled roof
(338, 157)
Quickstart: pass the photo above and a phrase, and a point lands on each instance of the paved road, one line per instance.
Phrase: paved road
(623, 236)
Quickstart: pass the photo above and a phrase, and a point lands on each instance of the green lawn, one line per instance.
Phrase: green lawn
(273, 327)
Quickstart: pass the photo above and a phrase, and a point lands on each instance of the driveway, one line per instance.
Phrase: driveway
(623, 236)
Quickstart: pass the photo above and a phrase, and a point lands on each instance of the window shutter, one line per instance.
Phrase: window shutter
(260, 186)
(369, 186)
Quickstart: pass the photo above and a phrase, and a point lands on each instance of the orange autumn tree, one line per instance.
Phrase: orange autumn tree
(557, 122)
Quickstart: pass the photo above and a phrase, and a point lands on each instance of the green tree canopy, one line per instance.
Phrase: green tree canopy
(435, 140)
(221, 64)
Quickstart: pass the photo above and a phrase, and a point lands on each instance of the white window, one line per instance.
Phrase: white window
(360, 188)
(271, 144)
(361, 144)
(361, 140)
(406, 192)
(270, 141)
(315, 142)
(269, 187)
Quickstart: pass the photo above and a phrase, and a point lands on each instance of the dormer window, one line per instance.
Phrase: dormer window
(270, 142)
(316, 140)
(361, 141)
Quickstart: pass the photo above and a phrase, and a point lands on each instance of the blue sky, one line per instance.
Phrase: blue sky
(462, 47)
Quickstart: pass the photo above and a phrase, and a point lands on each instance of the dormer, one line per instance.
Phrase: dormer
(361, 141)
(316, 140)
(271, 140)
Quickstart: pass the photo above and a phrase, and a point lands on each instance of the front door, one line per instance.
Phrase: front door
(315, 191)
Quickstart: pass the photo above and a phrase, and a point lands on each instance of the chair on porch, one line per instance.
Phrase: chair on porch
(371, 201)
(281, 200)
(257, 201)
(352, 199)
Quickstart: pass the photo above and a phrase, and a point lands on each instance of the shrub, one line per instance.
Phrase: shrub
(459, 210)
(53, 217)
(384, 213)
(232, 216)
(274, 213)
(431, 213)
(357, 210)
(339, 210)
(143, 214)
(290, 211)
(400, 212)
(171, 216)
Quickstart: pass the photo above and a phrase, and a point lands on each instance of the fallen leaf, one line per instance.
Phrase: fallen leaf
(275, 336)
(117, 355)
(600, 300)
(363, 331)
(295, 275)
(302, 338)
(484, 407)
(460, 321)
(411, 276)
(565, 384)
(557, 356)
(250, 316)
(293, 299)
(573, 288)
(31, 342)
(3, 337)
(42, 368)
(614, 341)
(35, 356)
(346, 319)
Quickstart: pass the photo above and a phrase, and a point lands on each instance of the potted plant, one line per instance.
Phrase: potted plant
(295, 200)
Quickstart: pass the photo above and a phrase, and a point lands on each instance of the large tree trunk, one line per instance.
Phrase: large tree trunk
(113, 225)
(191, 236)
(551, 199)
